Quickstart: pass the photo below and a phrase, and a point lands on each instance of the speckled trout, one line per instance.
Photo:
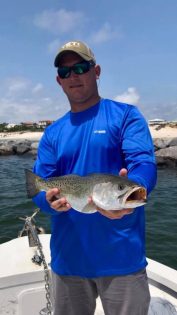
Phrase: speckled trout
(109, 192)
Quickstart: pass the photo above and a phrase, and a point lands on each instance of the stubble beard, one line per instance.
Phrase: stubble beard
(83, 101)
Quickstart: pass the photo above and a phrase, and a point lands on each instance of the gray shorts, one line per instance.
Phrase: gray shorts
(120, 295)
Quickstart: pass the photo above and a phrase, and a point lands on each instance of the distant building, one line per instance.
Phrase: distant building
(28, 124)
(44, 123)
(9, 126)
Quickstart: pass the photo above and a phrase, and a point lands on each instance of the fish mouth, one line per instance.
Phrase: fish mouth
(137, 196)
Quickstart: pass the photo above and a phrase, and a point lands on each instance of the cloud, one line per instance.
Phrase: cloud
(23, 109)
(165, 111)
(16, 85)
(149, 110)
(22, 100)
(33, 109)
(59, 22)
(104, 34)
(73, 22)
(130, 96)
(37, 88)
(54, 46)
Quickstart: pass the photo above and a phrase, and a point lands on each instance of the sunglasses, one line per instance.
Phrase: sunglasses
(78, 68)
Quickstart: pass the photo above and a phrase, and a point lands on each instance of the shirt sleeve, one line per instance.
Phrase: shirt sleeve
(45, 166)
(138, 149)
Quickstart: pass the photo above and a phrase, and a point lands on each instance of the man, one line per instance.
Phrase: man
(100, 254)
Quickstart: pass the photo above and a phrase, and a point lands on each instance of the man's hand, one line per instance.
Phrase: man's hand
(116, 214)
(58, 204)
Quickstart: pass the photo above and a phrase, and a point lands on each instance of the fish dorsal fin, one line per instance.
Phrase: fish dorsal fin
(100, 174)
(69, 176)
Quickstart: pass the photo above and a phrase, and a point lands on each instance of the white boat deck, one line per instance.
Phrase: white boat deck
(22, 289)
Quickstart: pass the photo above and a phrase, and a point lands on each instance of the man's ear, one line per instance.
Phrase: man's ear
(97, 71)
(58, 80)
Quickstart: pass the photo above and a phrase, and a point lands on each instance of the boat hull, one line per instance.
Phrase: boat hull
(22, 285)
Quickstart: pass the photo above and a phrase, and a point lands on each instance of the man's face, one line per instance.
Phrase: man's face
(81, 89)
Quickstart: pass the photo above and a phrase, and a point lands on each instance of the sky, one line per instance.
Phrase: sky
(135, 43)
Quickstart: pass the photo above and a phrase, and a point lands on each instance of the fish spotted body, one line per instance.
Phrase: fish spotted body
(108, 191)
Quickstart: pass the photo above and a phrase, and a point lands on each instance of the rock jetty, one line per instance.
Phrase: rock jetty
(19, 147)
(165, 149)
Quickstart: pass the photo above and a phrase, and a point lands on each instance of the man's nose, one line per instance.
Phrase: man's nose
(73, 74)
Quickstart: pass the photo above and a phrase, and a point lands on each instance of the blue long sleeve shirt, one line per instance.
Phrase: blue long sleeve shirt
(102, 139)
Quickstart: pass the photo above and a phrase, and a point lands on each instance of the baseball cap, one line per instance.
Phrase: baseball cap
(79, 48)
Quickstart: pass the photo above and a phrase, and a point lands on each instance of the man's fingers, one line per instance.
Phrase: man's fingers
(115, 214)
(52, 194)
(61, 204)
(112, 214)
(57, 203)
(123, 172)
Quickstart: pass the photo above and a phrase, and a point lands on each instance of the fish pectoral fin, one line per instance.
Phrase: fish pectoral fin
(81, 204)
(89, 208)
(98, 203)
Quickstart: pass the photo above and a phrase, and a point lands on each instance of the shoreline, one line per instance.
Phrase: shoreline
(157, 131)
(163, 132)
(164, 139)
(21, 135)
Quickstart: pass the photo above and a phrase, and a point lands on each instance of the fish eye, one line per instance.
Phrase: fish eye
(120, 187)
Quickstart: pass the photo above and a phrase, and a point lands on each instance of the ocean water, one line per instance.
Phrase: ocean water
(161, 209)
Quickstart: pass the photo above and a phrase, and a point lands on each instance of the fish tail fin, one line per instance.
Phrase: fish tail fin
(31, 185)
